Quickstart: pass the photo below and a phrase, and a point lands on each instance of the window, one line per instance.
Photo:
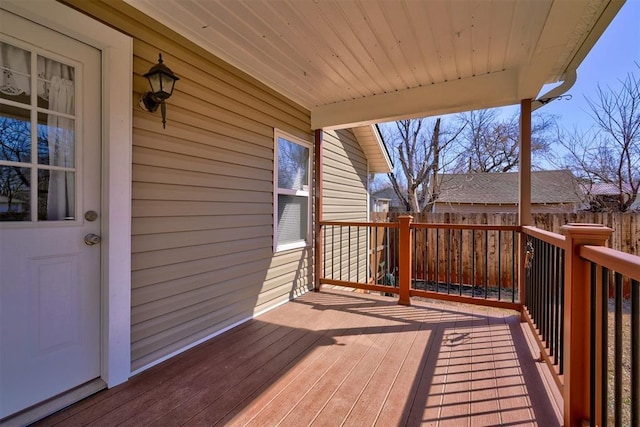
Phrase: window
(37, 137)
(291, 192)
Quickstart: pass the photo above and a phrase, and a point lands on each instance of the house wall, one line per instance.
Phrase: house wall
(345, 177)
(202, 225)
(345, 193)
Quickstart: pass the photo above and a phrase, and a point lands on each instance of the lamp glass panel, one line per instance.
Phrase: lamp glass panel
(154, 82)
(166, 86)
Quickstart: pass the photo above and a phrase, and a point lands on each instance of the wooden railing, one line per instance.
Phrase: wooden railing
(357, 255)
(464, 263)
(543, 302)
(614, 367)
(564, 280)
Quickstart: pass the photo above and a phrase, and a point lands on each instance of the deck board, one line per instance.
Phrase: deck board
(341, 358)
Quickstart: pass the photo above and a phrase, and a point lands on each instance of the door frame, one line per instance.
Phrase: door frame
(117, 92)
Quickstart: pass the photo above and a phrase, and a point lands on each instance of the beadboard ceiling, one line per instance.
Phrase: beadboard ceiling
(356, 62)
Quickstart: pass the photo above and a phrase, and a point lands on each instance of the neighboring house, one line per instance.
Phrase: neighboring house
(551, 191)
(604, 196)
(157, 239)
(379, 205)
(388, 194)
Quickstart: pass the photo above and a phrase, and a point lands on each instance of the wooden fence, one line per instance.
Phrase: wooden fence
(474, 257)
(625, 238)
(626, 226)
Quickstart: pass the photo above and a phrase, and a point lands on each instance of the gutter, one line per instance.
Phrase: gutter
(611, 9)
(558, 92)
(383, 144)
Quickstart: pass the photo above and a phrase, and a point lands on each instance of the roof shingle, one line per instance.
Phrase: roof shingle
(557, 186)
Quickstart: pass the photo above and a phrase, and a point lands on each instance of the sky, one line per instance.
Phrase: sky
(611, 59)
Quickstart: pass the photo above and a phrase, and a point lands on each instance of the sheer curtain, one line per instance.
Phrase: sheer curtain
(16, 70)
(60, 135)
(56, 92)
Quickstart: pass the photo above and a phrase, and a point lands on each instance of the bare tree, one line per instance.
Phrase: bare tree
(609, 153)
(421, 156)
(491, 143)
(15, 146)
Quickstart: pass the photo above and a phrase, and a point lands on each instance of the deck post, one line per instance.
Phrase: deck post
(577, 335)
(524, 203)
(404, 262)
(318, 209)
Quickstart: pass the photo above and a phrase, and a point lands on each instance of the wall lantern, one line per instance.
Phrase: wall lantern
(161, 79)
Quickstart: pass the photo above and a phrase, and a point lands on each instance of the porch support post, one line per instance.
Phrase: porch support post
(577, 336)
(318, 208)
(404, 249)
(524, 203)
(524, 163)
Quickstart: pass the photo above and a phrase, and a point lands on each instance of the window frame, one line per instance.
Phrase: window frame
(306, 242)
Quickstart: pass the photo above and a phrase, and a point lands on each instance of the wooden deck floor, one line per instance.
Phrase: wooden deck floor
(341, 358)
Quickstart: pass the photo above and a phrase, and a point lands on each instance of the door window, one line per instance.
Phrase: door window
(37, 137)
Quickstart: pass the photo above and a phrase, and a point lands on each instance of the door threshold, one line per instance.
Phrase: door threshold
(54, 404)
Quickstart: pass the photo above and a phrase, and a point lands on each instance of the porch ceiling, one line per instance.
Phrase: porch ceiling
(356, 62)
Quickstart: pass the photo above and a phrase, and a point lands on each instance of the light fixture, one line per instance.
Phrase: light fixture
(161, 79)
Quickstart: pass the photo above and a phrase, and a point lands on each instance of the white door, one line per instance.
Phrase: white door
(50, 130)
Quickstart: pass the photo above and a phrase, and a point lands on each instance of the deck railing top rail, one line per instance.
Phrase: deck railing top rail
(424, 225)
(546, 236)
(621, 262)
(359, 224)
(427, 225)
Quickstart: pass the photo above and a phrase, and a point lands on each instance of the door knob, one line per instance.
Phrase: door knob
(91, 239)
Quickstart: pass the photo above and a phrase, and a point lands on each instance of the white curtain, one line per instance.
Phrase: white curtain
(55, 84)
(15, 64)
(16, 70)
(60, 134)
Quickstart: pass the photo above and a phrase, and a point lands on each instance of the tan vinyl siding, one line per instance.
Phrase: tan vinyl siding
(345, 178)
(344, 198)
(202, 225)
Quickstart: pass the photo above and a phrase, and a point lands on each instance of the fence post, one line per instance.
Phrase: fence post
(404, 262)
(577, 335)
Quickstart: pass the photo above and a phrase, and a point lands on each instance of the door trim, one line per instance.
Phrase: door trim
(117, 92)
